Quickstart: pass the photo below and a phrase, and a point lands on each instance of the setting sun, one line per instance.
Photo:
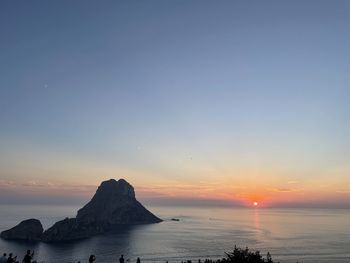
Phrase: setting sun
(255, 203)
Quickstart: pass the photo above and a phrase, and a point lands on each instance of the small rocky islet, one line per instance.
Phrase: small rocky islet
(29, 230)
(114, 204)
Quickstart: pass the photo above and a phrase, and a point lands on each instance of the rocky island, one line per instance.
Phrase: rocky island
(114, 204)
(29, 230)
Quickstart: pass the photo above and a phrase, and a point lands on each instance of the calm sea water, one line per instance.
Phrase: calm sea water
(304, 235)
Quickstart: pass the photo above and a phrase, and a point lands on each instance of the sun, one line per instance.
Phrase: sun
(255, 203)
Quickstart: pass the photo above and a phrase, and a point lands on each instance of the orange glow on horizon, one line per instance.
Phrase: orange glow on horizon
(221, 192)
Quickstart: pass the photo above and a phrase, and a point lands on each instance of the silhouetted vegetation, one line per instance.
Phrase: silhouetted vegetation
(238, 255)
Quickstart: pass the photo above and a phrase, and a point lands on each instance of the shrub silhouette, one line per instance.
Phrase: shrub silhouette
(240, 255)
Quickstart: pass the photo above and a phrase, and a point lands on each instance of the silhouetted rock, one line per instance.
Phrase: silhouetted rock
(68, 229)
(29, 230)
(113, 204)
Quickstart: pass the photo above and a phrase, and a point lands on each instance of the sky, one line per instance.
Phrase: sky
(192, 102)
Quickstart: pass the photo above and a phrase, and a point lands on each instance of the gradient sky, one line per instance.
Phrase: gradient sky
(218, 102)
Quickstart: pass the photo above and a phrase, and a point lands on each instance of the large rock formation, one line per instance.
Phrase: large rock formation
(28, 230)
(114, 204)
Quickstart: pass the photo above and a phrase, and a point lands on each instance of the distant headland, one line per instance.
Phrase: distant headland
(114, 204)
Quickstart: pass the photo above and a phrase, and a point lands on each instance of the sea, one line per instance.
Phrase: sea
(290, 235)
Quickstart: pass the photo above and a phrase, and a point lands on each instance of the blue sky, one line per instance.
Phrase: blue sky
(177, 93)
